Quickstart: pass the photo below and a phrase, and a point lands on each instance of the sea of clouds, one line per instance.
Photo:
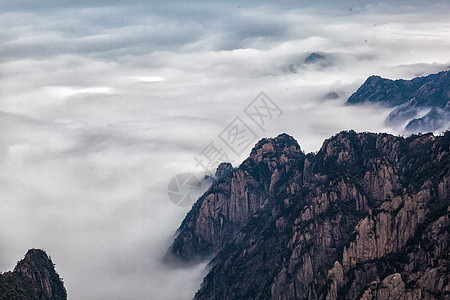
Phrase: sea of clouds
(103, 102)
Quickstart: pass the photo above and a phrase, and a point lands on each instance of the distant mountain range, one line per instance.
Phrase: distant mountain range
(367, 217)
(421, 104)
(33, 278)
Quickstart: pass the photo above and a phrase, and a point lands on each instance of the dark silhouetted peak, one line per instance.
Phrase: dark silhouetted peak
(34, 256)
(410, 98)
(332, 96)
(381, 90)
(374, 79)
(314, 58)
(434, 120)
(223, 170)
(34, 277)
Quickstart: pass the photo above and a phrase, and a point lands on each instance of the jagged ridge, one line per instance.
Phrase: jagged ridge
(366, 215)
(410, 98)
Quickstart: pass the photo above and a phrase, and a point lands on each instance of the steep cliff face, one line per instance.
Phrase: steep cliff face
(423, 102)
(366, 217)
(226, 207)
(34, 277)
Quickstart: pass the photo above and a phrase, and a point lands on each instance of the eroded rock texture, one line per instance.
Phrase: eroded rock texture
(33, 278)
(367, 217)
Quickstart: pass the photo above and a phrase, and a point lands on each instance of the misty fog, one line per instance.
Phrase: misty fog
(102, 103)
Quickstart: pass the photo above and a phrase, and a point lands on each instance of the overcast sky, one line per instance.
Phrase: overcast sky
(103, 102)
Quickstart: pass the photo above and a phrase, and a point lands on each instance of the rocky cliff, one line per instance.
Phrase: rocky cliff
(366, 217)
(423, 102)
(34, 277)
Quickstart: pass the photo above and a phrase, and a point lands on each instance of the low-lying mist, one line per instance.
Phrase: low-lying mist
(102, 104)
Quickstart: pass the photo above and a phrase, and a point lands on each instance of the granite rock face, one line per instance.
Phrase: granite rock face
(366, 217)
(34, 277)
(228, 204)
(423, 102)
(223, 170)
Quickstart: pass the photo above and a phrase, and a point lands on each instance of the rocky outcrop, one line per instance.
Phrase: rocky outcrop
(365, 217)
(228, 204)
(34, 277)
(223, 170)
(428, 95)
(426, 275)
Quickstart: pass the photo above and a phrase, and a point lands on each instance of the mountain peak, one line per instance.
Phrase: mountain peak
(34, 278)
(410, 98)
(288, 226)
(229, 203)
(38, 271)
(36, 255)
(314, 57)
(374, 79)
(223, 170)
(267, 147)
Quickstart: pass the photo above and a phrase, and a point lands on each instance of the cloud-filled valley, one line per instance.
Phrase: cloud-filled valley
(101, 104)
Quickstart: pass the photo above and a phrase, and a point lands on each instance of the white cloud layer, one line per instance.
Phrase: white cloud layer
(101, 103)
